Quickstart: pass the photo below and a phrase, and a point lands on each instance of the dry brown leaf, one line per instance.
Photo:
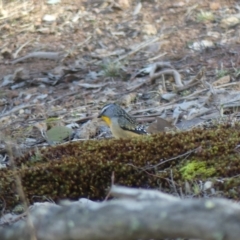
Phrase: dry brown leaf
(149, 29)
(89, 129)
(6, 53)
(179, 4)
(154, 48)
(222, 80)
(229, 22)
(42, 127)
(21, 74)
(123, 4)
(127, 99)
(188, 124)
(214, 5)
(160, 125)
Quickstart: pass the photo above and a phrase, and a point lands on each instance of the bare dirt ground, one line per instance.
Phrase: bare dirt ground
(105, 51)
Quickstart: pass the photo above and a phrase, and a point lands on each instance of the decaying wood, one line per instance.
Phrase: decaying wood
(138, 214)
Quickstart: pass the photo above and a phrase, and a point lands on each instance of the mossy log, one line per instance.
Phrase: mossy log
(84, 169)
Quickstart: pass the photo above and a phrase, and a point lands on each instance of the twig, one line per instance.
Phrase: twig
(4, 205)
(173, 72)
(112, 184)
(21, 194)
(194, 81)
(63, 96)
(172, 182)
(141, 194)
(146, 118)
(143, 170)
(44, 55)
(154, 75)
(139, 47)
(173, 158)
(20, 48)
(84, 42)
(156, 57)
(17, 109)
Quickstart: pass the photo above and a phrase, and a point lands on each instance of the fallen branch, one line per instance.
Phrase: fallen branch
(141, 214)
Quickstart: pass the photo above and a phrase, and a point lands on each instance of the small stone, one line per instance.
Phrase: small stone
(51, 2)
(49, 18)
(3, 101)
(149, 29)
(229, 22)
(21, 111)
(207, 185)
(124, 4)
(201, 45)
(214, 6)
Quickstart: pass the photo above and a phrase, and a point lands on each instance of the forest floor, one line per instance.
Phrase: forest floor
(61, 62)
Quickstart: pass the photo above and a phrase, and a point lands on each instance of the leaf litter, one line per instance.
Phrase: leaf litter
(174, 71)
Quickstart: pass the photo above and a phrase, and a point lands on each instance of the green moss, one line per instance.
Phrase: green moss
(84, 169)
(195, 169)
